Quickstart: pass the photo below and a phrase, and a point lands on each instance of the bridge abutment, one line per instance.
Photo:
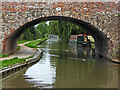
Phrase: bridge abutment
(10, 46)
(1, 44)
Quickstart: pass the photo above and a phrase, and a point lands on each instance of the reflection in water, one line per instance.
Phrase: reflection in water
(39, 78)
(65, 66)
(81, 52)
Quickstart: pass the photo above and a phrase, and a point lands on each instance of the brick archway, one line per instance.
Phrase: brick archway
(102, 18)
(101, 40)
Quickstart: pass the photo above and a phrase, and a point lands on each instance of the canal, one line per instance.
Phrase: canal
(65, 66)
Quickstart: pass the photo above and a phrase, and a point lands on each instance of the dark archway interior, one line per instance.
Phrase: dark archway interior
(101, 41)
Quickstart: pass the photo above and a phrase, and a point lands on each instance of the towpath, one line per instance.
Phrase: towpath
(24, 52)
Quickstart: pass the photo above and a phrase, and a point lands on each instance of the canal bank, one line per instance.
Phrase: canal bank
(31, 56)
(16, 67)
(65, 66)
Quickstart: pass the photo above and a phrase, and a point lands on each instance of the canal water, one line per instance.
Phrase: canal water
(65, 66)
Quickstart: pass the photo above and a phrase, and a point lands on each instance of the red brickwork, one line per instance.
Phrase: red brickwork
(102, 15)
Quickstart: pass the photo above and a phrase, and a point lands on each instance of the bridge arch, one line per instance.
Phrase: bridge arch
(101, 40)
(100, 17)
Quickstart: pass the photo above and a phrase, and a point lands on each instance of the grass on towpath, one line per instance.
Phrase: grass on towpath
(13, 61)
(18, 47)
(23, 41)
(35, 43)
(3, 55)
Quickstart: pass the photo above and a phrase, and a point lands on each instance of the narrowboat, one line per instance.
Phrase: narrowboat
(80, 40)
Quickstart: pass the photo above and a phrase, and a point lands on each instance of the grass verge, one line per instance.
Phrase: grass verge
(35, 43)
(15, 60)
(12, 61)
(18, 47)
(3, 55)
(23, 41)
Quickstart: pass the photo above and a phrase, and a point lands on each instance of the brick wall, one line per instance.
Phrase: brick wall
(102, 15)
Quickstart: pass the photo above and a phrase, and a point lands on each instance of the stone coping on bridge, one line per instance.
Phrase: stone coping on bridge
(60, 1)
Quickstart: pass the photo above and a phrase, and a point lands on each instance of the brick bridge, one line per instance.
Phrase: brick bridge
(100, 19)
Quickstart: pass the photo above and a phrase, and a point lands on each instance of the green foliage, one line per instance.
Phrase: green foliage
(3, 55)
(21, 37)
(38, 34)
(11, 61)
(53, 27)
(64, 29)
(23, 41)
(18, 47)
(41, 30)
(28, 35)
(61, 28)
(35, 43)
(35, 32)
(30, 57)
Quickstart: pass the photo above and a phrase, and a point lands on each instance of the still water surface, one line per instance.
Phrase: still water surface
(65, 66)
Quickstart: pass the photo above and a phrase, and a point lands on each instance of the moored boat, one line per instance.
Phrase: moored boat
(80, 40)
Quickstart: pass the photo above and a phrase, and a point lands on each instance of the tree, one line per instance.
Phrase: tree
(43, 28)
(53, 27)
(27, 35)
(61, 28)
